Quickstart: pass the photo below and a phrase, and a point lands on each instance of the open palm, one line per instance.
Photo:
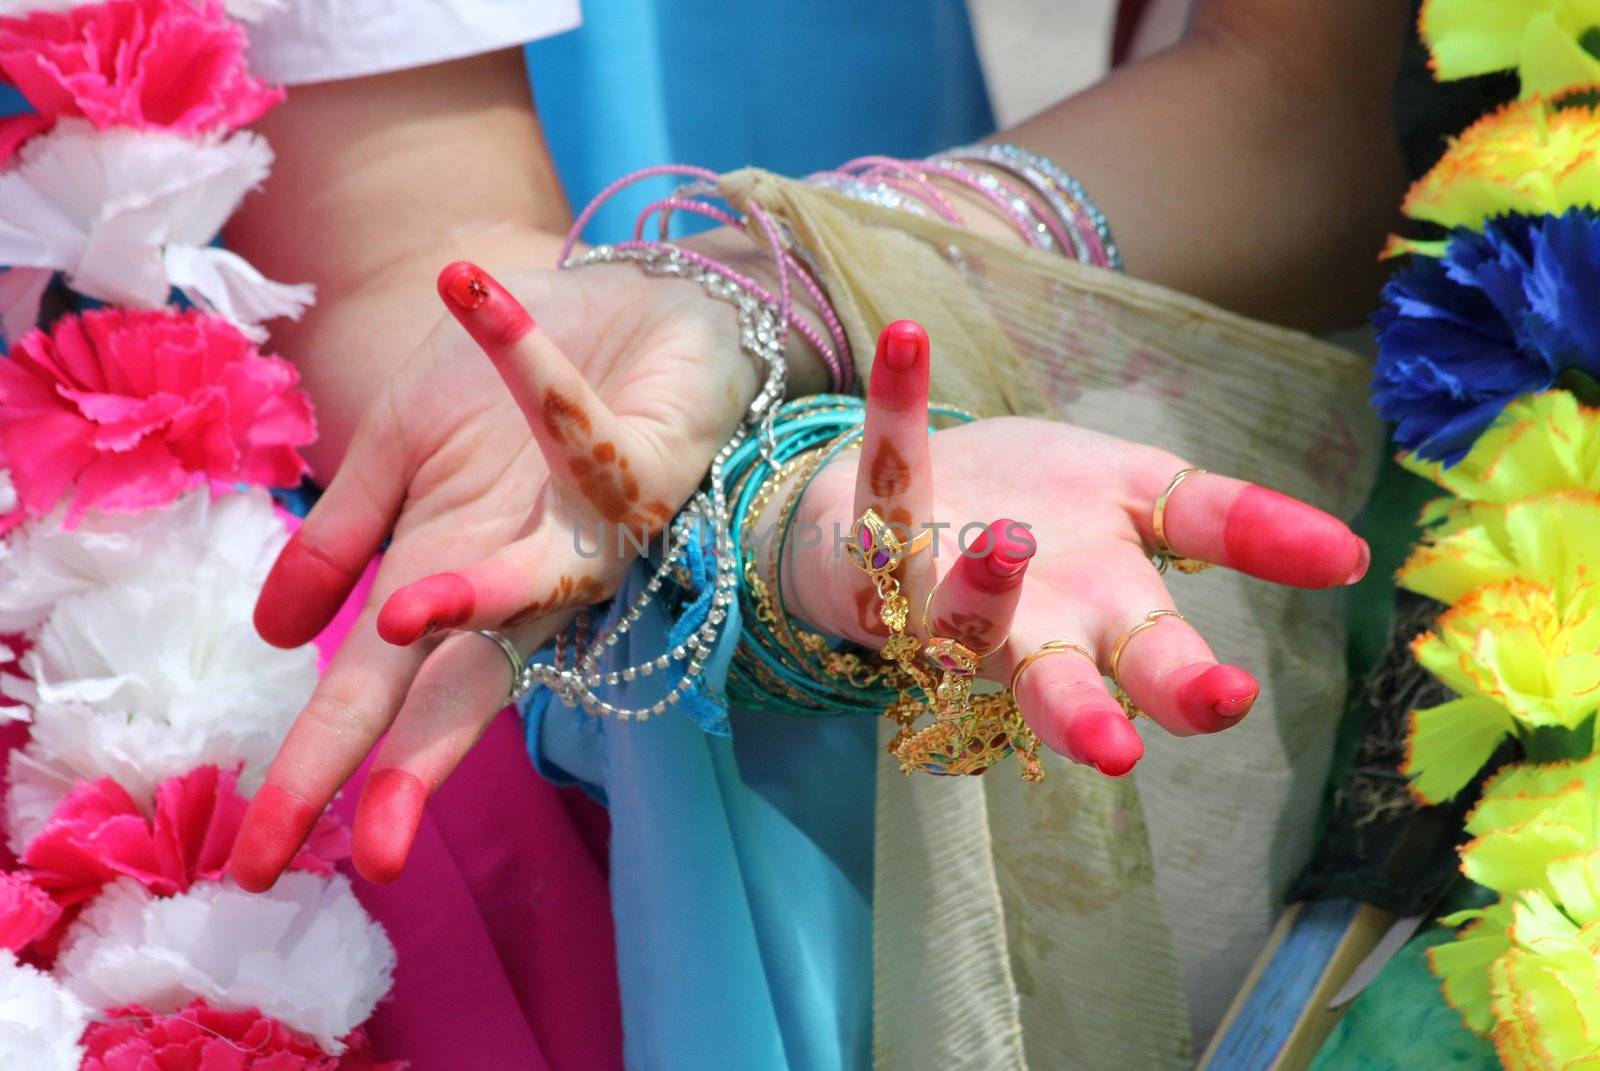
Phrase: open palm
(446, 459)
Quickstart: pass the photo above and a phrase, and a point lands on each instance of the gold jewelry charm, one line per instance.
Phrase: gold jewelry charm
(874, 547)
(1165, 555)
(968, 735)
(1150, 620)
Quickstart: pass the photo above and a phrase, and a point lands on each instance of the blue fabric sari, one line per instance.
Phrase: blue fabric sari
(741, 869)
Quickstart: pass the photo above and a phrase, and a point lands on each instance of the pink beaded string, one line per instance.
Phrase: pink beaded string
(836, 356)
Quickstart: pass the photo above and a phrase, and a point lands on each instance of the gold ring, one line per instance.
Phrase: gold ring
(927, 604)
(1053, 647)
(1150, 620)
(1165, 555)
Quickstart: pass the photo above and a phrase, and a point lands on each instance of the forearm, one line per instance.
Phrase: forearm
(1254, 165)
(378, 183)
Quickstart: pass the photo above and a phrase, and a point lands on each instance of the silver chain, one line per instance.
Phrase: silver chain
(761, 335)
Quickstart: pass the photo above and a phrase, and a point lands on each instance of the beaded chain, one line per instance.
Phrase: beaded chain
(761, 336)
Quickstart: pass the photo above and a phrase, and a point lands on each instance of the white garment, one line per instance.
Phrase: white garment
(325, 40)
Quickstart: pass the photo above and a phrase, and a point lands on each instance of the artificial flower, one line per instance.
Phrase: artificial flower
(1541, 39)
(1529, 819)
(126, 409)
(1519, 659)
(1499, 315)
(99, 833)
(1530, 158)
(1547, 442)
(179, 65)
(40, 1022)
(243, 10)
(8, 492)
(1548, 538)
(26, 912)
(304, 952)
(237, 534)
(144, 680)
(199, 1037)
(129, 215)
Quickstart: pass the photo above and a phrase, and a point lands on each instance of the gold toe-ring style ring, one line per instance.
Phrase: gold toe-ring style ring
(1165, 555)
(1045, 651)
(1150, 620)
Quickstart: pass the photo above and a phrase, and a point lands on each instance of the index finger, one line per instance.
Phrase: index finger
(351, 707)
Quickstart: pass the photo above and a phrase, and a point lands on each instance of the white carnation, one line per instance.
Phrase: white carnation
(40, 1022)
(42, 562)
(128, 215)
(304, 952)
(147, 678)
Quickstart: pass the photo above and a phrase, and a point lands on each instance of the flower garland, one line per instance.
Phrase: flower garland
(137, 442)
(1489, 365)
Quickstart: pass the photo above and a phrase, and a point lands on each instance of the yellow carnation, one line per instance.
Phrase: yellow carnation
(1544, 442)
(1549, 538)
(1542, 39)
(1520, 659)
(1530, 157)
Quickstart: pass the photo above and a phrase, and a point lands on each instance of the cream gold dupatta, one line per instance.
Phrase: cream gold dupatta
(1083, 922)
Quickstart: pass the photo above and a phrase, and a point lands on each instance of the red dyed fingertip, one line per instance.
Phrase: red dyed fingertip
(301, 595)
(276, 825)
(1217, 696)
(387, 820)
(485, 308)
(443, 600)
(1281, 539)
(902, 355)
(1106, 740)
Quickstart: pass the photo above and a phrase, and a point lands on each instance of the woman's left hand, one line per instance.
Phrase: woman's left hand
(1055, 533)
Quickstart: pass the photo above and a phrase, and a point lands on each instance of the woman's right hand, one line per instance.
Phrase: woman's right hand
(630, 391)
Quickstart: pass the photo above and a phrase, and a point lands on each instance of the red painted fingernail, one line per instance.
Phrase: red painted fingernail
(1106, 740)
(387, 819)
(443, 600)
(485, 308)
(274, 828)
(902, 344)
(1363, 563)
(1286, 541)
(1217, 697)
(1010, 553)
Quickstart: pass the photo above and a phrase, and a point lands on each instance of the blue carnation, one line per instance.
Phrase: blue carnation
(1501, 314)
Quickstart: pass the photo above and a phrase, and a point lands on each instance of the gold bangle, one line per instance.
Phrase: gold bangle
(1165, 555)
(1045, 651)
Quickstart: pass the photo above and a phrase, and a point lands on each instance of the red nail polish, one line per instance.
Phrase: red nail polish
(902, 344)
(1106, 740)
(275, 827)
(466, 287)
(1363, 563)
(1217, 697)
(443, 600)
(387, 819)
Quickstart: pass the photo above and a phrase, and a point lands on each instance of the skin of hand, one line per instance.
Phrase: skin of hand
(1077, 522)
(482, 534)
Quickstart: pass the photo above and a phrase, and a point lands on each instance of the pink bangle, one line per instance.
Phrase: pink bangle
(836, 357)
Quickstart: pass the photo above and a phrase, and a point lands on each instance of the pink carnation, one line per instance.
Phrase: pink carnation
(176, 64)
(127, 408)
(202, 1038)
(26, 912)
(99, 834)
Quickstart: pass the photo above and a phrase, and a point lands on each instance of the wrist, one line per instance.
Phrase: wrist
(808, 374)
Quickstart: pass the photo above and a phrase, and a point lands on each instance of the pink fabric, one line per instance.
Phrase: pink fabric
(501, 920)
